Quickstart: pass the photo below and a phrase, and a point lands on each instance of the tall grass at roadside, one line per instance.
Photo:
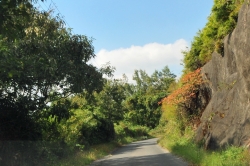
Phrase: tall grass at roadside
(233, 156)
(177, 136)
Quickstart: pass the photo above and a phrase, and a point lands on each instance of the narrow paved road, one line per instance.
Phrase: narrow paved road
(141, 153)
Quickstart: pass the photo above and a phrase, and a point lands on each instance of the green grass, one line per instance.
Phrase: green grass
(195, 155)
(176, 135)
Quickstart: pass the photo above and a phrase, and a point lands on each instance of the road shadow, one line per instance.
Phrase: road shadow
(133, 146)
(141, 153)
(151, 160)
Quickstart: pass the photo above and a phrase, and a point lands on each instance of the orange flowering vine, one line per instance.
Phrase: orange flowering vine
(190, 84)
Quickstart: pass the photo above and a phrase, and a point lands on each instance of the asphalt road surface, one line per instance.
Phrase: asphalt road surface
(141, 153)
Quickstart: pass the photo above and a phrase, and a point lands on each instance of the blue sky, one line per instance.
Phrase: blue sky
(136, 34)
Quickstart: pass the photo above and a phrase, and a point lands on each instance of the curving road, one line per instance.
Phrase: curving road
(141, 153)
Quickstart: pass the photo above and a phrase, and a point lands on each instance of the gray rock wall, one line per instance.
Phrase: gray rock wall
(226, 119)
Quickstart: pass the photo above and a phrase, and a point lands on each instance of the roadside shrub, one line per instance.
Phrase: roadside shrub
(128, 130)
(102, 131)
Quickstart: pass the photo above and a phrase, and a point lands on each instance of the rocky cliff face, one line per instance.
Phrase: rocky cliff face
(226, 119)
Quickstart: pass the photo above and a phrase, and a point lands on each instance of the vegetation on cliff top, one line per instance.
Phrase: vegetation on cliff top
(221, 22)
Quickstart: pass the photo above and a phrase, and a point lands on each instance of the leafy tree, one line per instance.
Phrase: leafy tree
(110, 100)
(143, 103)
(106, 104)
(12, 16)
(45, 64)
(104, 109)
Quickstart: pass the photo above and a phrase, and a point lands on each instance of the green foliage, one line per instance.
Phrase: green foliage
(15, 124)
(103, 131)
(60, 109)
(147, 92)
(106, 104)
(12, 14)
(221, 22)
(44, 64)
(41, 65)
(109, 100)
(125, 129)
(144, 110)
(82, 128)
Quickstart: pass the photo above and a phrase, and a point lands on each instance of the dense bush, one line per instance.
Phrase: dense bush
(102, 131)
(125, 129)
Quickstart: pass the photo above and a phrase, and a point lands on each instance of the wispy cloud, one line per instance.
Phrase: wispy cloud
(150, 57)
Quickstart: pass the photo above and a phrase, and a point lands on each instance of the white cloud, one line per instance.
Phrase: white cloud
(150, 57)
